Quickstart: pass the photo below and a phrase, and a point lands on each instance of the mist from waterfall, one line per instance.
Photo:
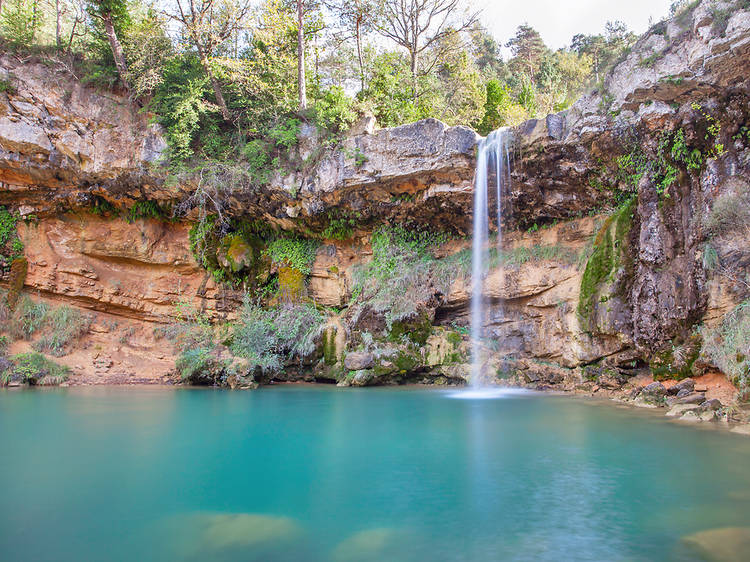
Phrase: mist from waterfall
(493, 155)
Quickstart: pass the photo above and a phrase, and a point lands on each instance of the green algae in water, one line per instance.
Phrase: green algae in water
(318, 474)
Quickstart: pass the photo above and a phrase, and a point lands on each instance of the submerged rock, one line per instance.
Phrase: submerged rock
(377, 544)
(728, 544)
(207, 534)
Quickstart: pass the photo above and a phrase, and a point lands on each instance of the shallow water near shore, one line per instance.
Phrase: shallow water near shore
(322, 473)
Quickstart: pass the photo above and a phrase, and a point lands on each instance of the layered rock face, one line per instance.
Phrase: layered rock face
(587, 281)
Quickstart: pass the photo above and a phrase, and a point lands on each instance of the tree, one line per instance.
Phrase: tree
(301, 79)
(528, 49)
(486, 52)
(416, 25)
(604, 49)
(20, 21)
(113, 14)
(208, 24)
(357, 18)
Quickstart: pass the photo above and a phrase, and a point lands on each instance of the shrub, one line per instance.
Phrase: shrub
(297, 253)
(268, 337)
(728, 347)
(335, 110)
(11, 246)
(62, 326)
(35, 369)
(192, 330)
(730, 212)
(403, 274)
(21, 20)
(29, 317)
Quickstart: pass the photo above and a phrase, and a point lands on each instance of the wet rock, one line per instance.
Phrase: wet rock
(651, 395)
(683, 392)
(359, 360)
(678, 410)
(691, 416)
(364, 378)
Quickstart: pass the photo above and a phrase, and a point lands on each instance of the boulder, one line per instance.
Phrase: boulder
(727, 544)
(695, 398)
(711, 405)
(364, 378)
(679, 410)
(359, 360)
(652, 395)
(687, 385)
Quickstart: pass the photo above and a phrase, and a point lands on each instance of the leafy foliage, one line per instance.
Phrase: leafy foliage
(62, 327)
(11, 246)
(35, 369)
(403, 274)
(268, 337)
(728, 347)
(297, 253)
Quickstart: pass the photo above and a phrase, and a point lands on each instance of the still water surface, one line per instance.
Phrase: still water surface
(318, 474)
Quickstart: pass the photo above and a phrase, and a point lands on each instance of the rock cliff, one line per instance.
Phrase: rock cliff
(615, 248)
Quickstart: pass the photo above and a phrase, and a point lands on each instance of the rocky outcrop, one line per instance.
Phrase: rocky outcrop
(592, 297)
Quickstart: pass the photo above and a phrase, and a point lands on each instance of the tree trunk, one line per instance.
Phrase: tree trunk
(117, 53)
(358, 33)
(414, 92)
(301, 57)
(58, 30)
(216, 86)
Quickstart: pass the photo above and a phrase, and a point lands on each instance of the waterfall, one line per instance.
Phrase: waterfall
(492, 154)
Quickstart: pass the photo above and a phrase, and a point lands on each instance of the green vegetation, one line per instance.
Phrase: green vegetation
(269, 337)
(730, 212)
(538, 252)
(34, 369)
(673, 155)
(677, 361)
(297, 253)
(62, 326)
(261, 340)
(221, 78)
(145, 210)
(403, 273)
(608, 256)
(728, 347)
(56, 328)
(11, 246)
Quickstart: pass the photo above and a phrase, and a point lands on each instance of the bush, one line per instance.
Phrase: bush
(730, 212)
(29, 317)
(35, 369)
(62, 326)
(297, 253)
(335, 110)
(403, 274)
(20, 21)
(268, 337)
(11, 246)
(728, 347)
(193, 330)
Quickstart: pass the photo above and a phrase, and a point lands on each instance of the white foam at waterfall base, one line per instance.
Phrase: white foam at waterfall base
(492, 151)
(488, 393)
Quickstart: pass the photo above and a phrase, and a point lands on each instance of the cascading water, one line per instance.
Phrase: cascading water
(492, 154)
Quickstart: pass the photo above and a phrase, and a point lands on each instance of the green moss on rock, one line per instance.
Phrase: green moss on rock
(610, 255)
